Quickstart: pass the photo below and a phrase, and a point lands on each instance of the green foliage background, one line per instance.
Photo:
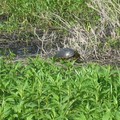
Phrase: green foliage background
(39, 12)
(41, 90)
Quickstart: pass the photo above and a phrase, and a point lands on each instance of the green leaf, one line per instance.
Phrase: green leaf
(107, 116)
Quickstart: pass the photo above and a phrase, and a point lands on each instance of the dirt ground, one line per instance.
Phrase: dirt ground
(35, 47)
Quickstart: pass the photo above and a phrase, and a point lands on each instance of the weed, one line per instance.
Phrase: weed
(42, 90)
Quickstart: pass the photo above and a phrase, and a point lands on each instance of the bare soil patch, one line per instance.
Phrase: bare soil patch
(46, 44)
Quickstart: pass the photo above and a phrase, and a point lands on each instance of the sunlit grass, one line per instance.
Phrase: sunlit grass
(38, 13)
(47, 91)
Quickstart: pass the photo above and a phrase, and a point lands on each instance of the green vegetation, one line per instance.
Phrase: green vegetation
(46, 90)
(96, 22)
(39, 13)
(38, 90)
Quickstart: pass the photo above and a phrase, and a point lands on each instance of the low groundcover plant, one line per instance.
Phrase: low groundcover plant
(39, 90)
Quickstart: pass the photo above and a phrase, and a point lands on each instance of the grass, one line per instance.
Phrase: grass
(38, 13)
(42, 90)
(90, 27)
(39, 90)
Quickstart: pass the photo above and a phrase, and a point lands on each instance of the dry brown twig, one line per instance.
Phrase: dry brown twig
(87, 42)
(47, 43)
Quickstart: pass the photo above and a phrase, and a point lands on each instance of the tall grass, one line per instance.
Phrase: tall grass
(95, 39)
(38, 12)
(41, 90)
(90, 27)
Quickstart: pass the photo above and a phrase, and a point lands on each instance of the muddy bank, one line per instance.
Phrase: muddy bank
(46, 44)
(30, 43)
